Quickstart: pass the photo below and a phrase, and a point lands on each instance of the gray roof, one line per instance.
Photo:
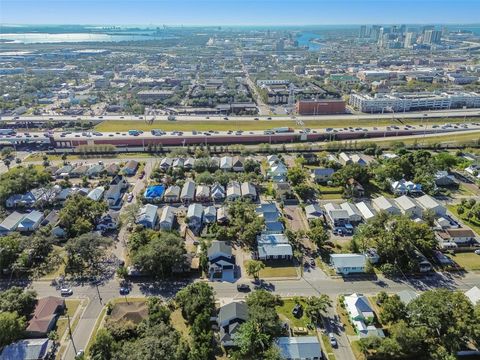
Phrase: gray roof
(348, 260)
(27, 349)
(300, 347)
(188, 190)
(11, 222)
(168, 215)
(195, 211)
(313, 209)
(172, 191)
(148, 213)
(248, 189)
(33, 216)
(219, 247)
(233, 310)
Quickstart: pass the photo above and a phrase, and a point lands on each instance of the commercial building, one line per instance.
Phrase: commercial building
(320, 107)
(151, 96)
(414, 102)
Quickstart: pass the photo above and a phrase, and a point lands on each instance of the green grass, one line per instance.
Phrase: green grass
(451, 138)
(285, 313)
(468, 261)
(475, 225)
(60, 270)
(248, 125)
(179, 323)
(95, 329)
(356, 351)
(278, 268)
(327, 347)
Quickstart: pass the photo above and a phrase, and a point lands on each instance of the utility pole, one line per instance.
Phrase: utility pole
(70, 333)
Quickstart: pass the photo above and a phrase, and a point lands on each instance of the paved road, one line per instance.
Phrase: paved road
(406, 115)
(306, 286)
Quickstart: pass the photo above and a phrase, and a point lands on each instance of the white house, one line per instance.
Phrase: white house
(233, 190)
(11, 222)
(428, 203)
(167, 218)
(96, 194)
(188, 191)
(274, 246)
(248, 191)
(381, 203)
(408, 206)
(354, 214)
(300, 348)
(226, 163)
(365, 210)
(346, 264)
(148, 216)
(172, 194)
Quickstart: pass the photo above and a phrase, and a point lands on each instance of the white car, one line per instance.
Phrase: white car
(477, 252)
(66, 292)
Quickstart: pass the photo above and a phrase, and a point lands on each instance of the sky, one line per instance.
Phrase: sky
(239, 12)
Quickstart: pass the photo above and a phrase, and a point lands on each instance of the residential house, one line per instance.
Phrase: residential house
(361, 314)
(277, 172)
(120, 180)
(167, 218)
(202, 193)
(154, 193)
(222, 216)
(248, 191)
(237, 163)
(313, 211)
(365, 210)
(113, 196)
(322, 175)
(51, 218)
(210, 214)
(10, 223)
(346, 159)
(188, 192)
(226, 163)
(346, 264)
(29, 349)
(189, 163)
(300, 348)
(428, 203)
(79, 171)
(230, 317)
(221, 262)
(408, 206)
(194, 217)
(336, 216)
(381, 203)
(130, 167)
(443, 178)
(109, 221)
(30, 221)
(458, 236)
(273, 160)
(96, 194)
(172, 194)
(112, 169)
(64, 171)
(45, 316)
(178, 163)
(94, 170)
(33, 197)
(283, 191)
(165, 163)
(354, 215)
(309, 158)
(148, 216)
(273, 247)
(404, 187)
(234, 191)
(217, 192)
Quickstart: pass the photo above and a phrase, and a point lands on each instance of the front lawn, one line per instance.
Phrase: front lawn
(278, 268)
(285, 313)
(471, 223)
(345, 319)
(468, 261)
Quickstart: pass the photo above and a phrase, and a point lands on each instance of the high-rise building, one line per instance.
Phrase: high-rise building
(363, 32)
(375, 32)
(410, 39)
(432, 37)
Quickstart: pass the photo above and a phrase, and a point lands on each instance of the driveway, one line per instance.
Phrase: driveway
(343, 351)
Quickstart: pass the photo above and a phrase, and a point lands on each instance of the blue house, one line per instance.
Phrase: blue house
(154, 193)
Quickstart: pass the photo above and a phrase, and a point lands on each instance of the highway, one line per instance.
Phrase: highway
(398, 115)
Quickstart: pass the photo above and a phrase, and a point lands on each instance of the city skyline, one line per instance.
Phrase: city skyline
(235, 12)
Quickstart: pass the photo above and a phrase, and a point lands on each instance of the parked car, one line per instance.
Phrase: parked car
(66, 291)
(297, 311)
(332, 339)
(243, 287)
(477, 252)
(124, 291)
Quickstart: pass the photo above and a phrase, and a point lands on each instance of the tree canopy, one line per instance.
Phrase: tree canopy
(80, 214)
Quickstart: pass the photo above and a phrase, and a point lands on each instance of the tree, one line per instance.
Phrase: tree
(393, 310)
(244, 225)
(10, 250)
(11, 327)
(16, 300)
(195, 299)
(84, 254)
(296, 175)
(157, 311)
(318, 235)
(103, 347)
(261, 309)
(251, 166)
(316, 306)
(251, 340)
(80, 214)
(305, 191)
(20, 179)
(351, 171)
(253, 268)
(160, 255)
(122, 272)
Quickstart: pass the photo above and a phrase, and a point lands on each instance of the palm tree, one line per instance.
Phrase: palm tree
(253, 268)
(316, 306)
